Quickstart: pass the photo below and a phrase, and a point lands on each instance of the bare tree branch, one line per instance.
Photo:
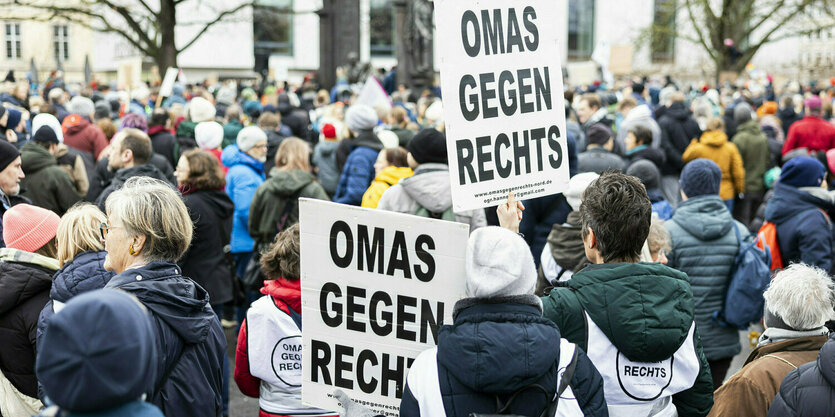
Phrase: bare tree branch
(698, 31)
(213, 22)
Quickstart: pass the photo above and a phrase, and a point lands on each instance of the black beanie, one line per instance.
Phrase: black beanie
(8, 153)
(45, 134)
(429, 145)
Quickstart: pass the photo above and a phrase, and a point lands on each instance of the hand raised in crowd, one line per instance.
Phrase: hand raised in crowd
(510, 213)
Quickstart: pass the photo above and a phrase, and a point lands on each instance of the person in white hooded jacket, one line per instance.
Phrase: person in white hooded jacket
(635, 114)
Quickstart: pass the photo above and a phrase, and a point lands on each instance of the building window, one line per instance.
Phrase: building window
(663, 42)
(381, 16)
(272, 22)
(13, 41)
(580, 29)
(61, 42)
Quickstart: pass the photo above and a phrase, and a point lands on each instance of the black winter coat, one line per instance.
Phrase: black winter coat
(103, 176)
(804, 231)
(122, 175)
(46, 184)
(678, 127)
(186, 327)
(211, 212)
(274, 140)
(526, 345)
(809, 390)
(787, 116)
(165, 144)
(24, 290)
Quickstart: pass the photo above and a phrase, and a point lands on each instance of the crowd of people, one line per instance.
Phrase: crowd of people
(136, 228)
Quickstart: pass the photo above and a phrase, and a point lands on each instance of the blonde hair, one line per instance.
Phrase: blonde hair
(659, 237)
(152, 208)
(78, 231)
(801, 295)
(716, 123)
(293, 153)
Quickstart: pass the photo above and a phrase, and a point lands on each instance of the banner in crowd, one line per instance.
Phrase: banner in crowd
(501, 80)
(376, 286)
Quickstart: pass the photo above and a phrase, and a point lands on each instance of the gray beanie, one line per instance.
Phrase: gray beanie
(82, 106)
(249, 136)
(498, 263)
(742, 113)
(645, 171)
(360, 117)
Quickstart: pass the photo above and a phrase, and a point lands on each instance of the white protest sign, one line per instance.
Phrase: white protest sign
(167, 86)
(504, 111)
(376, 286)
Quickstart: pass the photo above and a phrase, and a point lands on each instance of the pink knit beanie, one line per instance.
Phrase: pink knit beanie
(28, 228)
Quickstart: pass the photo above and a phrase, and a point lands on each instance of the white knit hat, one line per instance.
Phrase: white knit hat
(200, 110)
(82, 105)
(389, 139)
(208, 135)
(498, 263)
(46, 119)
(360, 117)
(249, 137)
(576, 186)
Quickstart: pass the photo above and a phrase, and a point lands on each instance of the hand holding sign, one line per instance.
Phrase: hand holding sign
(510, 213)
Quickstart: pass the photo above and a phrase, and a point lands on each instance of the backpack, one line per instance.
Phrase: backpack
(447, 214)
(750, 276)
(551, 410)
(767, 240)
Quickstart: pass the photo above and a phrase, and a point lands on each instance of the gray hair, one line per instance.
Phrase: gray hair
(801, 295)
(152, 208)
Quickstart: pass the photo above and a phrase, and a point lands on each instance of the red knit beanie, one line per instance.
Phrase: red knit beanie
(28, 228)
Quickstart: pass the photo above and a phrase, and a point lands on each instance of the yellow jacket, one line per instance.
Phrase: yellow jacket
(714, 145)
(385, 179)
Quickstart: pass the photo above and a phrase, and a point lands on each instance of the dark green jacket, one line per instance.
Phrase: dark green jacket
(230, 132)
(753, 147)
(46, 184)
(268, 205)
(646, 311)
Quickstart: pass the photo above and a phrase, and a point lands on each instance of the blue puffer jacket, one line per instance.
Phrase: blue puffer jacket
(705, 247)
(494, 350)
(809, 390)
(185, 326)
(82, 274)
(244, 177)
(803, 230)
(358, 171)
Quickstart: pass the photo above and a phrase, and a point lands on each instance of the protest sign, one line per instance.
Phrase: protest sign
(501, 80)
(167, 86)
(376, 286)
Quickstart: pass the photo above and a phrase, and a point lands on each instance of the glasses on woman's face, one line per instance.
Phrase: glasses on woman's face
(104, 229)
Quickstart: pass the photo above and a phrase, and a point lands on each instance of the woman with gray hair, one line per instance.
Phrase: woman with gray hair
(798, 302)
(148, 229)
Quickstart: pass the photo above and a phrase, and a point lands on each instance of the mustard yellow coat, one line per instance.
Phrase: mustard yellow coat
(385, 179)
(714, 145)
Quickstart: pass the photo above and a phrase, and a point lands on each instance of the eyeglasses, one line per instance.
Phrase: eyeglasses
(104, 229)
(264, 146)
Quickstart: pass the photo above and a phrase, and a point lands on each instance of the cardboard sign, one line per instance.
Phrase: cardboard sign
(167, 87)
(376, 286)
(504, 111)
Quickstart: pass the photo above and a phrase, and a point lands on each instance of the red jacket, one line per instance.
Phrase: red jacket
(812, 133)
(281, 290)
(80, 134)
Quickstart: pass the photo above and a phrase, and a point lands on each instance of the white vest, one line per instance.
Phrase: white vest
(274, 349)
(425, 387)
(641, 388)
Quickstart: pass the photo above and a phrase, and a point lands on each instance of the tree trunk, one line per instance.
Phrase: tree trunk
(167, 56)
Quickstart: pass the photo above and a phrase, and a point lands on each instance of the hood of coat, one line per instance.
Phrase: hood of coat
(705, 217)
(186, 129)
(232, 155)
(429, 187)
(73, 124)
(392, 175)
(642, 112)
(786, 112)
(499, 348)
(645, 309)
(678, 112)
(599, 115)
(566, 241)
(287, 183)
(23, 275)
(34, 158)
(789, 202)
(217, 201)
(714, 138)
(750, 127)
(285, 290)
(176, 300)
(83, 273)
(327, 148)
(368, 139)
(826, 361)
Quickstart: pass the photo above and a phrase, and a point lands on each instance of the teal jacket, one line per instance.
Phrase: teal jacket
(646, 311)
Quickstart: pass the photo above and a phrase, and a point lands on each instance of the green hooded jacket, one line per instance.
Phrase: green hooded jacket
(646, 311)
(46, 184)
(271, 198)
(753, 147)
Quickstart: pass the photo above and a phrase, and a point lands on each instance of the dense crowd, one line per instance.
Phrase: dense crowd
(135, 228)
